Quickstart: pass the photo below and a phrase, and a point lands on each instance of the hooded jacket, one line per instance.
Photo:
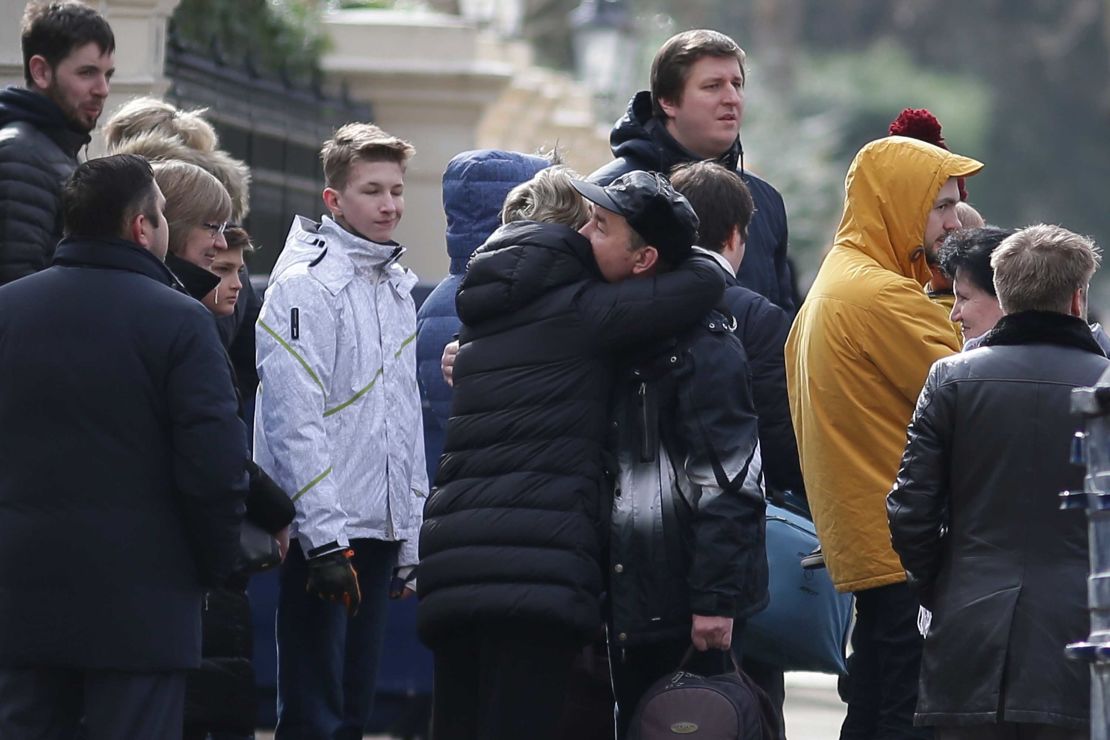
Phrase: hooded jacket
(514, 532)
(38, 153)
(641, 142)
(337, 422)
(475, 185)
(860, 348)
(975, 516)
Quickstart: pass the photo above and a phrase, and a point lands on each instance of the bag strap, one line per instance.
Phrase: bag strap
(690, 654)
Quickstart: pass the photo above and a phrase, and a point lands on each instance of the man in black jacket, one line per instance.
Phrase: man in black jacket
(692, 113)
(974, 513)
(687, 553)
(68, 61)
(122, 471)
(724, 207)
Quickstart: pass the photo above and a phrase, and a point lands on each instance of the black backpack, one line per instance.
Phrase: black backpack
(728, 706)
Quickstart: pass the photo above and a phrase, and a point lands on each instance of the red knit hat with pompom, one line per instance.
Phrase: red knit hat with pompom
(919, 123)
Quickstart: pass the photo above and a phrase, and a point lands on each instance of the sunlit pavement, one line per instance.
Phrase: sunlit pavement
(813, 709)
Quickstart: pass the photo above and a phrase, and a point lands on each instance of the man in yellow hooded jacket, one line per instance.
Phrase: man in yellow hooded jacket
(857, 357)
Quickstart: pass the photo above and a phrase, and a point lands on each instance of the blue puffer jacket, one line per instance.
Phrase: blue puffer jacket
(475, 184)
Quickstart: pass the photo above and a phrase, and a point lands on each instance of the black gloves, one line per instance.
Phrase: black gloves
(332, 577)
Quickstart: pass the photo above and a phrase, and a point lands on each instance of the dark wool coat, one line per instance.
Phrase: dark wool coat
(514, 530)
(641, 142)
(122, 463)
(38, 153)
(976, 520)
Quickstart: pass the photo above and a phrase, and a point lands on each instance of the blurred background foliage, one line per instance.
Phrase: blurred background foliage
(1023, 86)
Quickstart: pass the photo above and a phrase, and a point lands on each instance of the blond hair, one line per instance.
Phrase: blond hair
(365, 142)
(193, 197)
(968, 217)
(143, 115)
(1040, 267)
(548, 197)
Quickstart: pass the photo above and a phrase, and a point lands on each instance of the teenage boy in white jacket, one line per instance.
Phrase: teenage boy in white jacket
(338, 425)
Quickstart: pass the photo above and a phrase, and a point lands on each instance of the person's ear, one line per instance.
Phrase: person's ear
(136, 232)
(670, 108)
(331, 202)
(646, 258)
(42, 74)
(1078, 303)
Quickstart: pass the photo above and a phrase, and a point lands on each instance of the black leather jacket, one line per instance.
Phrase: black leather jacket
(38, 153)
(975, 518)
(687, 533)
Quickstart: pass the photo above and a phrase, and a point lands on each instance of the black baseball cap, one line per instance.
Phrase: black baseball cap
(654, 210)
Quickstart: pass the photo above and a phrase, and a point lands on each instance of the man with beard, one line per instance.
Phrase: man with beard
(68, 61)
(856, 359)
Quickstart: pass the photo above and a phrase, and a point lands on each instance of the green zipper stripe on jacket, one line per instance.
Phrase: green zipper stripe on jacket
(404, 344)
(312, 483)
(293, 352)
(355, 397)
(369, 387)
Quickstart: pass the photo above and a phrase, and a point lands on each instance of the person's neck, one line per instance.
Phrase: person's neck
(689, 146)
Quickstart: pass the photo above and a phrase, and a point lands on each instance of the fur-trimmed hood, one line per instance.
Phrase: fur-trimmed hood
(233, 173)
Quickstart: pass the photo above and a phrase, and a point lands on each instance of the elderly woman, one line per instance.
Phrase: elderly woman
(220, 696)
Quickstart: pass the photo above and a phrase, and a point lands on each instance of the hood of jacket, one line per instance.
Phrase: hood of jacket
(520, 262)
(232, 173)
(889, 191)
(20, 104)
(475, 184)
(641, 137)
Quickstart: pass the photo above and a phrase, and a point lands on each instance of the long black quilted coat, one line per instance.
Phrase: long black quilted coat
(514, 530)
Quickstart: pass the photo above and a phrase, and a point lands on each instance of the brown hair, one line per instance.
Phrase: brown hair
(671, 67)
(720, 199)
(360, 142)
(54, 30)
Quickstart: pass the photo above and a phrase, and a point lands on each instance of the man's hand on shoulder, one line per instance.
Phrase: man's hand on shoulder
(711, 632)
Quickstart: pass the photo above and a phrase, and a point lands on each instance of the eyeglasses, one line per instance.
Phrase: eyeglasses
(216, 229)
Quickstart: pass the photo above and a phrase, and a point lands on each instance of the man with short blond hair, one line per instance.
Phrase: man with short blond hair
(974, 513)
(67, 63)
(338, 426)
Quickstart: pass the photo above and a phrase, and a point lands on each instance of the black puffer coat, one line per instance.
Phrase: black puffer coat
(987, 454)
(38, 152)
(514, 530)
(640, 141)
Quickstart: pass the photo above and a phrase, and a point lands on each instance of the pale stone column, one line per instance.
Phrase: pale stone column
(423, 75)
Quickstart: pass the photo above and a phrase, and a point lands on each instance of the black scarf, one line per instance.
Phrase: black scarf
(1042, 327)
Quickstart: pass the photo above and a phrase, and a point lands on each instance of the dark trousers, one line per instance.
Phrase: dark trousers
(772, 680)
(50, 703)
(884, 667)
(635, 669)
(493, 685)
(327, 661)
(1011, 731)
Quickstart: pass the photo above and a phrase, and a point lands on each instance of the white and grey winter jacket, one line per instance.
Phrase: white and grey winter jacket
(338, 419)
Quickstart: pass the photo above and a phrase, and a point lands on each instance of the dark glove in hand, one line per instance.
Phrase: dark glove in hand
(332, 577)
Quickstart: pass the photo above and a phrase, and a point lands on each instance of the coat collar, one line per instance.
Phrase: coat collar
(113, 254)
(1042, 327)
